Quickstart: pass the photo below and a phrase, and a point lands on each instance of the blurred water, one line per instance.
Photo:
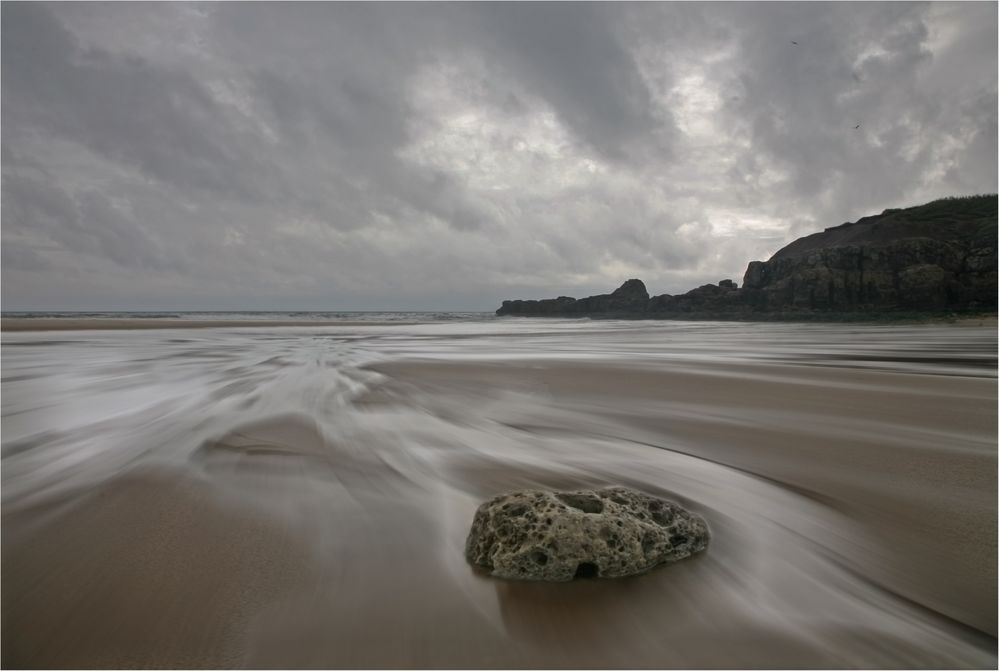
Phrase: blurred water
(847, 472)
(263, 315)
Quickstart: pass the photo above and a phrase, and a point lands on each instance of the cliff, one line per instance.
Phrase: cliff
(934, 258)
(939, 256)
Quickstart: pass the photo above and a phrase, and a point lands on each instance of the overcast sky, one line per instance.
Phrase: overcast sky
(448, 156)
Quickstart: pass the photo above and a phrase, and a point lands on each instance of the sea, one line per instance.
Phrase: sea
(270, 315)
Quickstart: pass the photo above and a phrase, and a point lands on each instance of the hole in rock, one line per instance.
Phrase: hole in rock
(677, 540)
(662, 517)
(584, 502)
(539, 557)
(586, 570)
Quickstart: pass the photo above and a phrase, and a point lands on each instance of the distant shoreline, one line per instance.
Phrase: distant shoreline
(111, 324)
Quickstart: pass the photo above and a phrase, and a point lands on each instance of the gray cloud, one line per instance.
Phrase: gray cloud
(161, 121)
(577, 61)
(439, 155)
(86, 222)
(873, 65)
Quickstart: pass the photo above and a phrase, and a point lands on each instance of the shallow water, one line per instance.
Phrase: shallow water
(299, 497)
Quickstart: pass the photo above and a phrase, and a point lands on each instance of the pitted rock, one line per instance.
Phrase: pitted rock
(558, 536)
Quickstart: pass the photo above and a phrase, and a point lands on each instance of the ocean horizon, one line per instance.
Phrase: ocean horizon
(237, 315)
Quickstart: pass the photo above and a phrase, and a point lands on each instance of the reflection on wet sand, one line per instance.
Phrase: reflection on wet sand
(265, 498)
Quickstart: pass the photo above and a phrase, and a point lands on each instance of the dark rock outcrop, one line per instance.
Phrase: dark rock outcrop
(558, 307)
(721, 297)
(558, 536)
(938, 257)
(628, 299)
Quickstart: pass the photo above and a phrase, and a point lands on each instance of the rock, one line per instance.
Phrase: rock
(755, 275)
(558, 536)
(925, 284)
(629, 299)
(548, 306)
(631, 291)
(934, 258)
(721, 297)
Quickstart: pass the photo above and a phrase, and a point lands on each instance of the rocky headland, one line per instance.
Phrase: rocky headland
(937, 258)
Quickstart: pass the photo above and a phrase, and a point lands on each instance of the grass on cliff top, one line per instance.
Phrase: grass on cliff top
(949, 209)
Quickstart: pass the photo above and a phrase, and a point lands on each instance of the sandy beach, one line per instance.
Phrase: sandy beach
(302, 501)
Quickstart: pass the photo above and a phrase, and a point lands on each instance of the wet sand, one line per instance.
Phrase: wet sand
(913, 497)
(853, 513)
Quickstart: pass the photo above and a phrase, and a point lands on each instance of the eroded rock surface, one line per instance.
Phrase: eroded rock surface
(557, 536)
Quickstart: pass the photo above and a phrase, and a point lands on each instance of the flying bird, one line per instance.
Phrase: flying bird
(793, 42)
(856, 127)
